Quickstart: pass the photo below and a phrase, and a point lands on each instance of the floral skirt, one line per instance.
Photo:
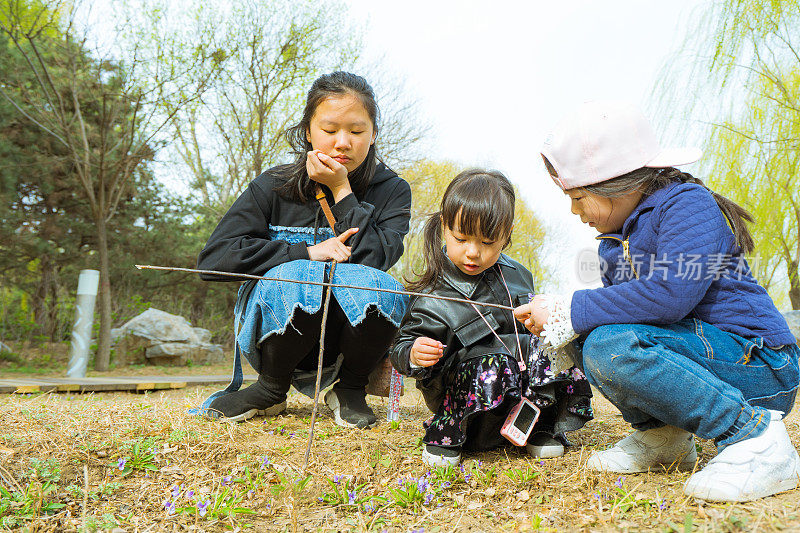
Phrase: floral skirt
(480, 393)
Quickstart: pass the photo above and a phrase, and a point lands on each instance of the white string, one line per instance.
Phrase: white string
(522, 364)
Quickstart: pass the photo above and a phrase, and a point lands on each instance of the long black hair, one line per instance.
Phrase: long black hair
(477, 202)
(648, 180)
(298, 187)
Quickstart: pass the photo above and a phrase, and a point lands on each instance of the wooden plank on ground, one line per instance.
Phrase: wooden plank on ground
(109, 383)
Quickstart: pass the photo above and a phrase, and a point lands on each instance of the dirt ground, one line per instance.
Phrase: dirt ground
(139, 462)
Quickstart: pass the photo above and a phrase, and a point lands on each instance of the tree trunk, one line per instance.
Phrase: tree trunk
(52, 310)
(42, 305)
(197, 309)
(103, 355)
(794, 285)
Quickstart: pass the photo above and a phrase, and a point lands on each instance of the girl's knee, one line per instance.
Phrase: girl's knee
(607, 349)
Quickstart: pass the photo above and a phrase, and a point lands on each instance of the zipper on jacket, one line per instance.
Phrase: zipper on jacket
(626, 251)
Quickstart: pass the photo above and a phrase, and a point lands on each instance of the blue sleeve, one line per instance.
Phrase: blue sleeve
(689, 225)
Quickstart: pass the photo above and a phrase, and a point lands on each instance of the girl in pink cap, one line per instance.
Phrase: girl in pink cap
(681, 338)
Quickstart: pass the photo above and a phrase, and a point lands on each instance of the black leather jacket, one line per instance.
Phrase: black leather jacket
(458, 326)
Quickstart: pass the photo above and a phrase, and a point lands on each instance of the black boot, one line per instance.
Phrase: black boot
(266, 397)
(350, 407)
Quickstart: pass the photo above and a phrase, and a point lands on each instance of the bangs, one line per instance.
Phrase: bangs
(480, 204)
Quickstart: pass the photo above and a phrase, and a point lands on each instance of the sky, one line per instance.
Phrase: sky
(492, 78)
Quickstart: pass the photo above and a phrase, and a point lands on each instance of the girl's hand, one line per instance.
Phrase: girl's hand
(325, 170)
(533, 315)
(426, 352)
(334, 248)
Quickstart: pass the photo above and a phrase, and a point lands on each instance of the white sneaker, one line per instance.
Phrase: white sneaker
(640, 451)
(544, 446)
(439, 456)
(749, 469)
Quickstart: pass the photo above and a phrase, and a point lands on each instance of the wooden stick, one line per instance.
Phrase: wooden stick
(319, 368)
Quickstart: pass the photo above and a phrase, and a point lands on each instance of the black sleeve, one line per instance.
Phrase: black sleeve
(420, 321)
(379, 241)
(240, 242)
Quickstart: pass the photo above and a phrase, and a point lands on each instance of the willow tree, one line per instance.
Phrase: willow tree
(744, 81)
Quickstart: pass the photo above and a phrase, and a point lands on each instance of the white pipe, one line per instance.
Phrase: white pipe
(84, 318)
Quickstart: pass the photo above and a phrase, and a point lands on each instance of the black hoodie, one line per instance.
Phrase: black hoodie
(240, 243)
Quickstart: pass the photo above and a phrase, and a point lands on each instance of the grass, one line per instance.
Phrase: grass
(139, 463)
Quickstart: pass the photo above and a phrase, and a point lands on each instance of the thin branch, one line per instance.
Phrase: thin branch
(29, 117)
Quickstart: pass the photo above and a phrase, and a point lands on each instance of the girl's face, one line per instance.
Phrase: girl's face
(606, 215)
(342, 129)
(472, 254)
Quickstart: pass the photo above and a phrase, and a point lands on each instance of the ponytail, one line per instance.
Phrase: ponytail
(432, 254)
(649, 180)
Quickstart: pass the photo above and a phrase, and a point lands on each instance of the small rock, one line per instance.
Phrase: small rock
(490, 492)
(102, 454)
(523, 496)
(474, 505)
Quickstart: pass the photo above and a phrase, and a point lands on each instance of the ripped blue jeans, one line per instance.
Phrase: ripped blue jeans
(691, 375)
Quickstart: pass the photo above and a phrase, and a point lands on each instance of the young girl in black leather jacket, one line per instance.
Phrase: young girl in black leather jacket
(474, 363)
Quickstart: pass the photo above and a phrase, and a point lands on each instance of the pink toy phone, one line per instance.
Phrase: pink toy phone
(520, 422)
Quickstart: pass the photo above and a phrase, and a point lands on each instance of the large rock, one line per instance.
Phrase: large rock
(793, 319)
(179, 354)
(157, 337)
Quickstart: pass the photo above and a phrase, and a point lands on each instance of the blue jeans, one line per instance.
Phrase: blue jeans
(265, 308)
(691, 375)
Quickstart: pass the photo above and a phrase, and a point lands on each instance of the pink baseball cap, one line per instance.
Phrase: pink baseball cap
(604, 140)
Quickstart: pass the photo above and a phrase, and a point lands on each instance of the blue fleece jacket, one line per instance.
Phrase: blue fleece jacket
(677, 258)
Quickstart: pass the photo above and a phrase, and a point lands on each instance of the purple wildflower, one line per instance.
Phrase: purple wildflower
(176, 491)
(202, 507)
(351, 497)
(226, 480)
(169, 506)
(121, 463)
(428, 498)
(422, 484)
(265, 462)
(337, 478)
(190, 495)
(620, 481)
(445, 485)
